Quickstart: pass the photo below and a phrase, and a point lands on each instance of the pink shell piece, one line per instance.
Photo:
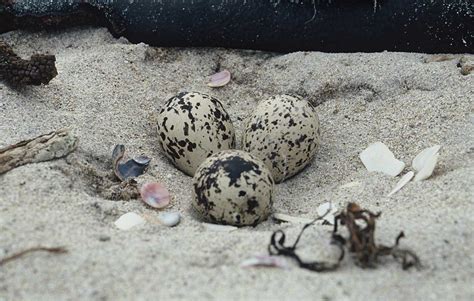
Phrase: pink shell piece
(155, 195)
(219, 79)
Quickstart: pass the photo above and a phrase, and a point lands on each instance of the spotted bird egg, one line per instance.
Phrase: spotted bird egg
(233, 187)
(284, 132)
(191, 127)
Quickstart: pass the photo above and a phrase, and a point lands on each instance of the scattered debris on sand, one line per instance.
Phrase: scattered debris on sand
(360, 224)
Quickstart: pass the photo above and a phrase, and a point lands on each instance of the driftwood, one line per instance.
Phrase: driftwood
(46, 147)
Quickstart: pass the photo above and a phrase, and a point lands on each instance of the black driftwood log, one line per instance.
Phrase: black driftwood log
(430, 26)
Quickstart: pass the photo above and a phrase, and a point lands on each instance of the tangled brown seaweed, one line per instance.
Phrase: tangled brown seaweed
(360, 224)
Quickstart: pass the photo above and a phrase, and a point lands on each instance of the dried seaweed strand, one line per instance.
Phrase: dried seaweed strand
(54, 250)
(277, 247)
(361, 242)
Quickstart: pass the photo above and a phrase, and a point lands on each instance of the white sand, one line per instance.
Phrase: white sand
(108, 91)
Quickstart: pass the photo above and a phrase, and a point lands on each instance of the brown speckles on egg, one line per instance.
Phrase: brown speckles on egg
(284, 132)
(192, 126)
(233, 187)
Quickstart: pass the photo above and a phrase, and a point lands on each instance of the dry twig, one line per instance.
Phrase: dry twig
(55, 250)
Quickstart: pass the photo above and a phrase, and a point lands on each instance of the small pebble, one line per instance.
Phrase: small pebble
(104, 238)
(169, 219)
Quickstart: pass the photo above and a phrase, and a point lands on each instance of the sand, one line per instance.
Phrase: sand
(108, 92)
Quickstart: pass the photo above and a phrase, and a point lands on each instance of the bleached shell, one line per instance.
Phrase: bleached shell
(191, 127)
(233, 187)
(420, 160)
(169, 219)
(378, 157)
(219, 79)
(129, 220)
(403, 181)
(428, 168)
(284, 132)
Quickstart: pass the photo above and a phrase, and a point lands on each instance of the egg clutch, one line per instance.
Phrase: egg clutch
(231, 186)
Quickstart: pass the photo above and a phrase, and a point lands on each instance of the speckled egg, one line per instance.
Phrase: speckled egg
(284, 132)
(233, 187)
(191, 127)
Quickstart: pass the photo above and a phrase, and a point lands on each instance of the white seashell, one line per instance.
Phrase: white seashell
(378, 157)
(328, 210)
(219, 79)
(428, 168)
(220, 228)
(291, 219)
(169, 219)
(420, 160)
(403, 181)
(129, 220)
(265, 261)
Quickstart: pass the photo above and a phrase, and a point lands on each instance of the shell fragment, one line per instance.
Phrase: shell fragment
(425, 162)
(129, 220)
(428, 168)
(155, 195)
(403, 181)
(219, 79)
(378, 157)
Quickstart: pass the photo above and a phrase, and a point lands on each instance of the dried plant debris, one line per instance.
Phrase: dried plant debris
(131, 168)
(360, 224)
(46, 147)
(54, 250)
(39, 69)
